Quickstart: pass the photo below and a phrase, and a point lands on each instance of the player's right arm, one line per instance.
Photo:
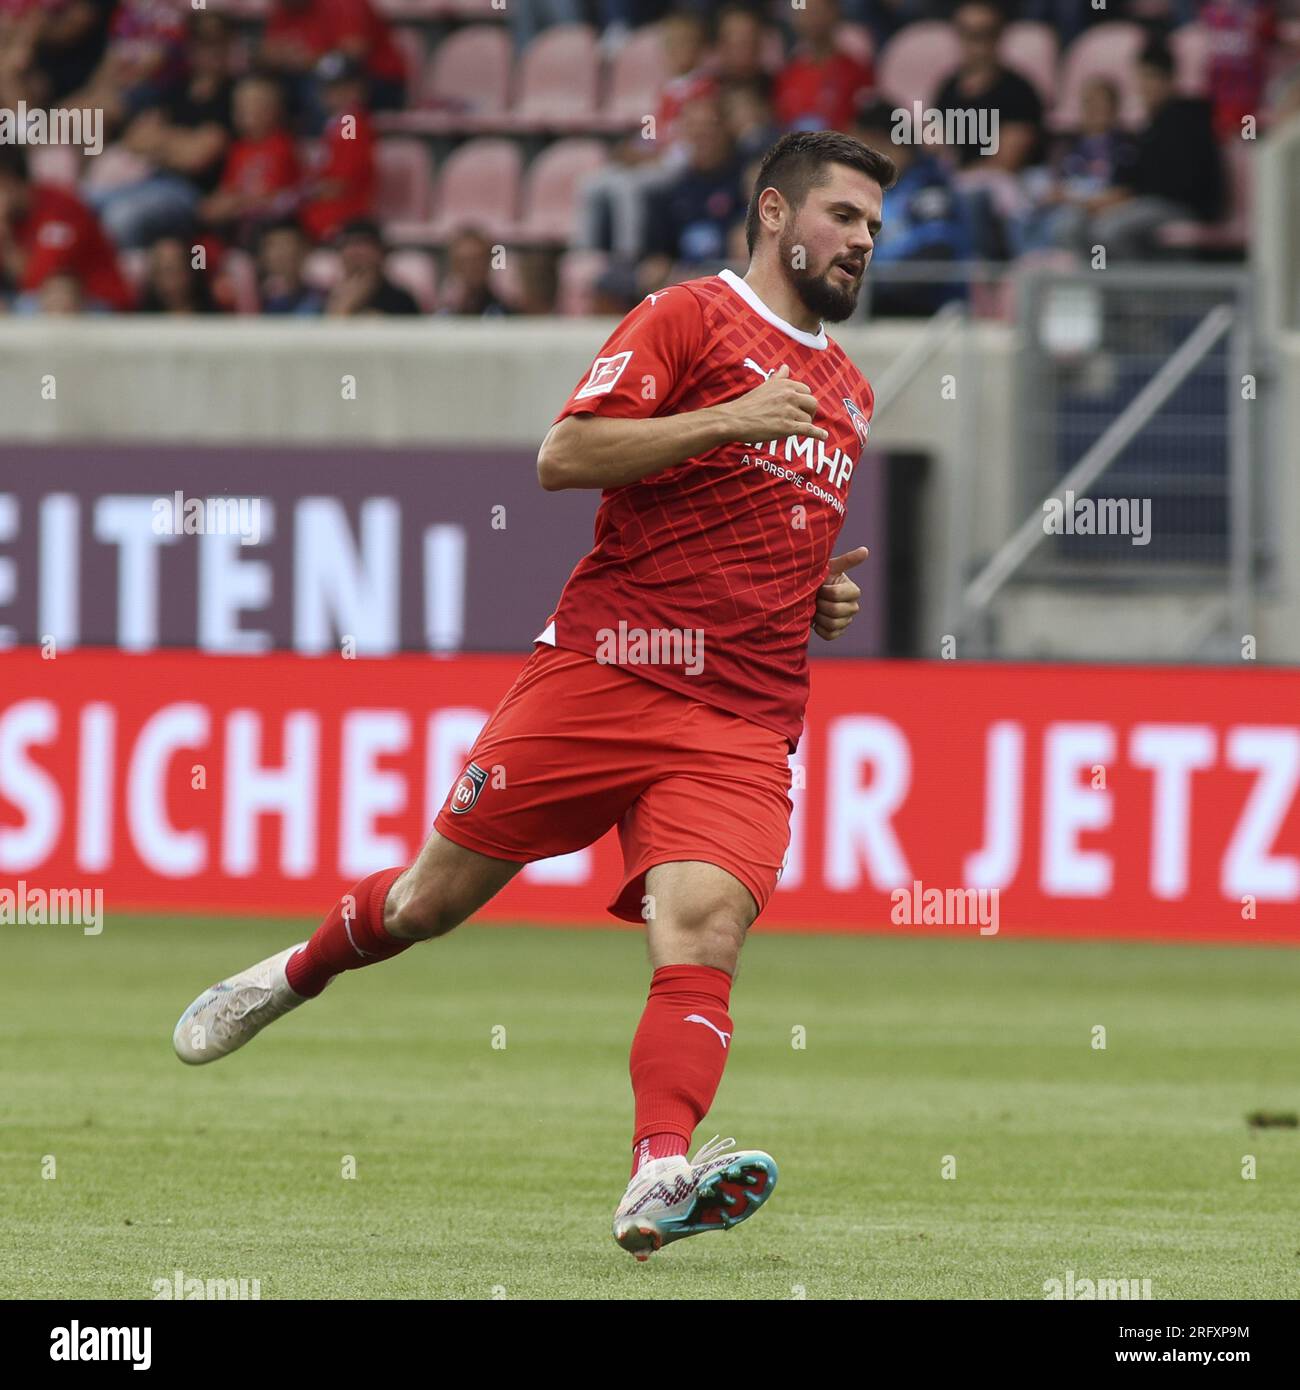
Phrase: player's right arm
(607, 434)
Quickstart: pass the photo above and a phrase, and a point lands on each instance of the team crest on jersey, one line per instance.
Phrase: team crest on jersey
(605, 371)
(467, 789)
(860, 421)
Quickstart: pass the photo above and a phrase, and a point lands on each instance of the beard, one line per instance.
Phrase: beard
(820, 295)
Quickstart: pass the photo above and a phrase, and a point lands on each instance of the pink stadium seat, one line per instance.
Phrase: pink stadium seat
(1109, 50)
(559, 75)
(410, 43)
(633, 82)
(1032, 50)
(551, 189)
(416, 273)
(405, 181)
(1233, 233)
(239, 271)
(134, 265)
(464, 87)
(60, 164)
(1191, 47)
(577, 274)
(478, 186)
(322, 269)
(856, 39)
(916, 61)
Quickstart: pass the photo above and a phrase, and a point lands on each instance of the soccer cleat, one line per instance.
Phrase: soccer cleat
(226, 1016)
(670, 1198)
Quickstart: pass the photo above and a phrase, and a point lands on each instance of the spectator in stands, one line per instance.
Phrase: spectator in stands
(821, 86)
(52, 49)
(180, 143)
(173, 284)
(689, 220)
(46, 233)
(299, 33)
(612, 201)
(342, 186)
(538, 281)
(749, 117)
(738, 48)
(1176, 171)
(363, 288)
(922, 218)
(982, 84)
(259, 179)
(1087, 165)
(145, 55)
(1240, 34)
(282, 287)
(467, 287)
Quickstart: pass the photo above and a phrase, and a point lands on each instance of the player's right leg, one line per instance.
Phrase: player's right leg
(379, 918)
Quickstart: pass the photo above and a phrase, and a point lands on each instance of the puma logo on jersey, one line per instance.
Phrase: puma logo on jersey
(654, 298)
(753, 366)
(696, 1018)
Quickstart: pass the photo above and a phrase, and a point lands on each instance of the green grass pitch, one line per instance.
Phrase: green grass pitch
(487, 1171)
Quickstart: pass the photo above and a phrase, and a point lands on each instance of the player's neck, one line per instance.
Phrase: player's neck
(776, 292)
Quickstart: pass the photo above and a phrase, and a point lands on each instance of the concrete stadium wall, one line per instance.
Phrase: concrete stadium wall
(407, 383)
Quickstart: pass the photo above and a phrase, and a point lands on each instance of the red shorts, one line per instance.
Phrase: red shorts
(577, 746)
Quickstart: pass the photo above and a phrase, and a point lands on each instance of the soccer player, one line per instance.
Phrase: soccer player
(666, 691)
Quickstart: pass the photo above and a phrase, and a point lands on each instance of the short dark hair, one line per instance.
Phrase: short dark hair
(797, 164)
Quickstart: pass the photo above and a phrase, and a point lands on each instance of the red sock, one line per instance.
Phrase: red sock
(351, 936)
(678, 1055)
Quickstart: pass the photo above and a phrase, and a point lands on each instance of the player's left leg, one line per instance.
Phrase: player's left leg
(697, 915)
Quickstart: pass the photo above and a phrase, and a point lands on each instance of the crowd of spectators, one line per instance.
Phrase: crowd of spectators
(262, 142)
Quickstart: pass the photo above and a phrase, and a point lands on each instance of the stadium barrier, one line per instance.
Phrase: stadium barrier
(1095, 802)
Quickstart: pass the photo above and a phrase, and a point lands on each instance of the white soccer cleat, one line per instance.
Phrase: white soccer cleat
(670, 1198)
(226, 1016)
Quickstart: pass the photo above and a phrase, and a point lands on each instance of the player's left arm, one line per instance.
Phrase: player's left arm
(837, 599)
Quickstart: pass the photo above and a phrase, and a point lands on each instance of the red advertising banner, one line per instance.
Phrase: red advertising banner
(1004, 800)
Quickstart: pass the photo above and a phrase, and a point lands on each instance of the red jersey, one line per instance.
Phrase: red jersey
(346, 155)
(324, 25)
(261, 168)
(704, 576)
(63, 237)
(809, 95)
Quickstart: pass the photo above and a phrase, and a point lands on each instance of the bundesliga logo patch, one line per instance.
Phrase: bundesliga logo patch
(467, 789)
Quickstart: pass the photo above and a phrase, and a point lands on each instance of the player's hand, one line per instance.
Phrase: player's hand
(837, 599)
(774, 409)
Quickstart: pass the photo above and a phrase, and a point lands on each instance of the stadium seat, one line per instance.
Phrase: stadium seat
(1191, 48)
(478, 186)
(550, 191)
(464, 87)
(239, 272)
(915, 62)
(1233, 233)
(1109, 50)
(559, 77)
(58, 164)
(410, 43)
(633, 82)
(322, 268)
(404, 179)
(1032, 50)
(855, 39)
(416, 273)
(577, 273)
